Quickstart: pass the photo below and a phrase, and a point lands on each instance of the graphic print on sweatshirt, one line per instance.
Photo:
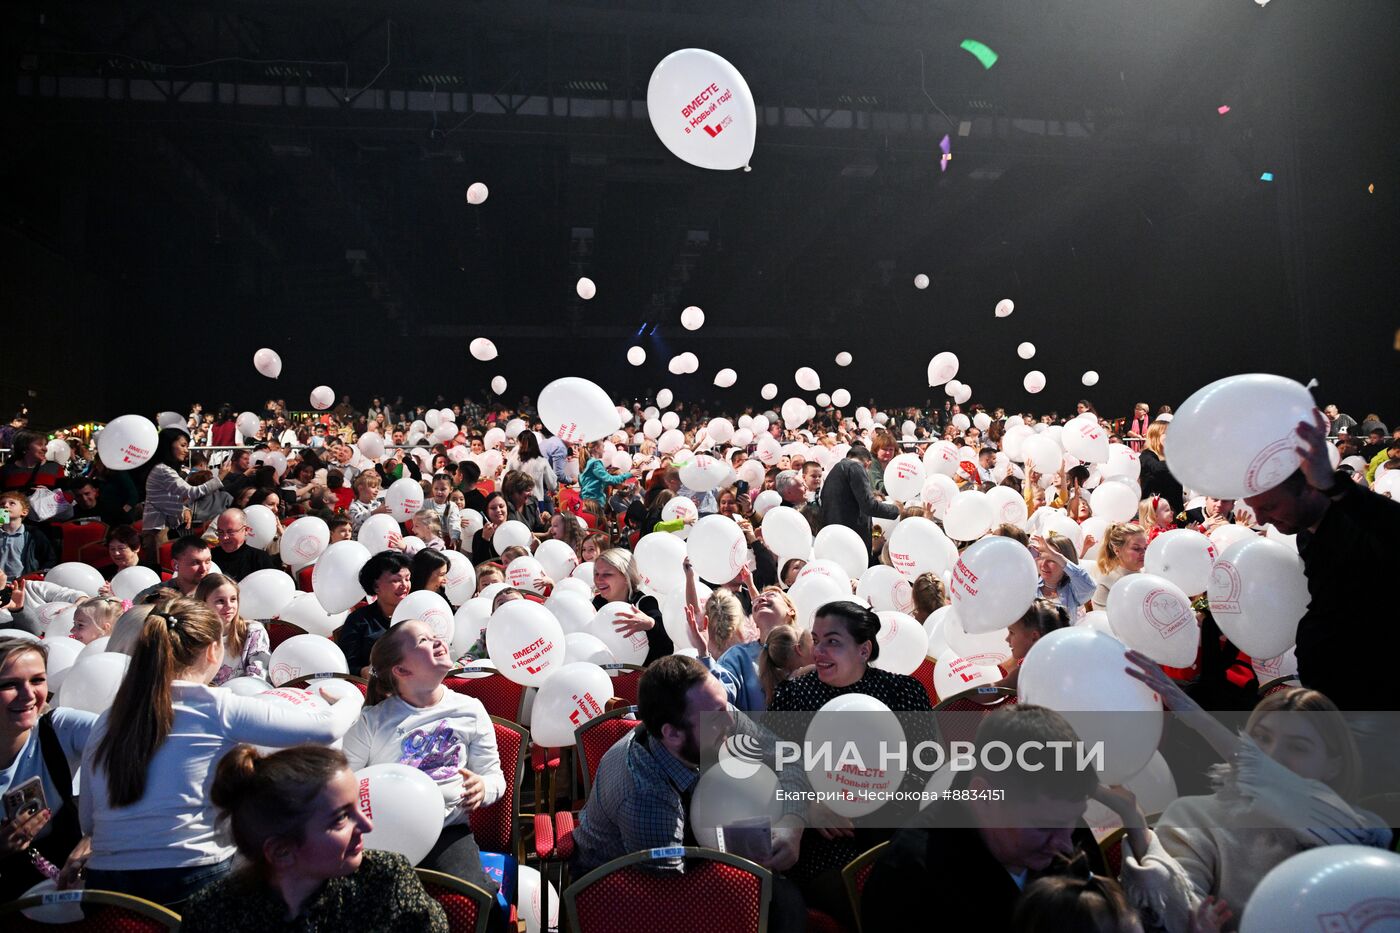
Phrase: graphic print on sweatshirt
(438, 754)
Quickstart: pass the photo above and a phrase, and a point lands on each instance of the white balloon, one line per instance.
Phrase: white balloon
(585, 288)
(807, 379)
(1182, 556)
(56, 620)
(943, 367)
(1151, 614)
(670, 441)
(921, 281)
(916, 546)
(1090, 378)
(577, 411)
(717, 549)
(628, 649)
(126, 442)
(403, 498)
(766, 501)
(704, 473)
(76, 576)
(786, 533)
(865, 726)
(376, 532)
(477, 193)
(304, 655)
(769, 391)
(303, 541)
(670, 420)
(1258, 594)
(578, 692)
(842, 545)
(843, 358)
(1025, 350)
(726, 378)
(904, 477)
(405, 807)
(1005, 307)
(557, 558)
(335, 581)
(840, 398)
(525, 641)
(903, 643)
(1008, 507)
(794, 413)
(1085, 440)
(322, 397)
(467, 625)
(268, 363)
(994, 583)
(248, 425)
(128, 582)
(510, 534)
(530, 902)
(658, 557)
(1122, 462)
(263, 594)
(429, 607)
(692, 318)
(1235, 437)
(963, 394)
(1081, 670)
(91, 683)
(1331, 887)
(969, 516)
(884, 587)
(305, 611)
(483, 349)
(1034, 381)
(702, 110)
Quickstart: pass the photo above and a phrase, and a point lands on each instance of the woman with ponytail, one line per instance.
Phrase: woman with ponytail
(295, 818)
(150, 761)
(414, 720)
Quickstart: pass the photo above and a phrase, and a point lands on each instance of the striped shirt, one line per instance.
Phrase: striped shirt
(167, 494)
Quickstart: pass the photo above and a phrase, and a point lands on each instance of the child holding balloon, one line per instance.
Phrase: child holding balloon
(247, 648)
(412, 719)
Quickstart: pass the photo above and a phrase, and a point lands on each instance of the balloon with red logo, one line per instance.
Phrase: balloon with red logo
(702, 110)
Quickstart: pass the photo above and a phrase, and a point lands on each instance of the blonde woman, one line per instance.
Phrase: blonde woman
(929, 595)
(1155, 478)
(1124, 547)
(616, 579)
(786, 653)
(737, 667)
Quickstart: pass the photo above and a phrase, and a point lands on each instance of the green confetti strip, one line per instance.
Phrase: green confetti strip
(986, 56)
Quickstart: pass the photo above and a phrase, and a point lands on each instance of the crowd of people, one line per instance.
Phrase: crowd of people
(242, 811)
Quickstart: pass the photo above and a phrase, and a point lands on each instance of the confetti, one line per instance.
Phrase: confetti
(1371, 189)
(986, 56)
(1267, 176)
(1223, 109)
(947, 146)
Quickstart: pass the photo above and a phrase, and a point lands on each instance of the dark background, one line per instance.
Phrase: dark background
(183, 184)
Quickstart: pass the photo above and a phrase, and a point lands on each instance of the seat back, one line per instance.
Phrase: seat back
(856, 874)
(625, 678)
(279, 631)
(717, 893)
(595, 737)
(924, 675)
(952, 715)
(103, 912)
(497, 827)
(466, 905)
(360, 683)
(77, 535)
(500, 695)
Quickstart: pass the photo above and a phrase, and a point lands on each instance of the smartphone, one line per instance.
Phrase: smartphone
(25, 800)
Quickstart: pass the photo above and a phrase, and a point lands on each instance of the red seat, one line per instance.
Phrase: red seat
(856, 874)
(595, 737)
(500, 695)
(279, 631)
(924, 675)
(103, 912)
(1112, 849)
(466, 905)
(959, 716)
(76, 535)
(304, 578)
(818, 922)
(163, 556)
(95, 554)
(717, 893)
(625, 678)
(497, 827)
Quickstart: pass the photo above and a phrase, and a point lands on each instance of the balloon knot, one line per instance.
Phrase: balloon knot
(748, 168)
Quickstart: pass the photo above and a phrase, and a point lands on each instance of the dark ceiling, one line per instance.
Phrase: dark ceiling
(191, 181)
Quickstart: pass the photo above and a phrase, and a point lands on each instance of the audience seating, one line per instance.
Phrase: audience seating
(1277, 684)
(595, 737)
(962, 728)
(279, 631)
(77, 535)
(103, 912)
(1112, 849)
(502, 697)
(360, 683)
(497, 827)
(856, 874)
(717, 893)
(924, 675)
(625, 678)
(467, 906)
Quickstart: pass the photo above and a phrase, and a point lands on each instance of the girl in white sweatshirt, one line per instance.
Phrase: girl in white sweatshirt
(149, 762)
(414, 720)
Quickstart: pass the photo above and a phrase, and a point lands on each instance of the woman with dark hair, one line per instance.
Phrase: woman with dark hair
(224, 433)
(456, 744)
(296, 819)
(386, 577)
(29, 467)
(1043, 617)
(428, 571)
(148, 766)
(528, 459)
(495, 514)
(168, 496)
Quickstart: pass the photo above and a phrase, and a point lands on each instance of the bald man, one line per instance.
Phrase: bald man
(234, 555)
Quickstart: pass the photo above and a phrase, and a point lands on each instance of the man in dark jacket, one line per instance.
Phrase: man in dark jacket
(847, 499)
(989, 850)
(234, 555)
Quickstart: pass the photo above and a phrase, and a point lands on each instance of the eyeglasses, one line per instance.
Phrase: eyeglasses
(231, 533)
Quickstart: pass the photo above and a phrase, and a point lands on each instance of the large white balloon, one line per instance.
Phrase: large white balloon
(268, 363)
(1086, 440)
(1122, 462)
(702, 473)
(1235, 437)
(1151, 614)
(132, 580)
(1258, 594)
(403, 498)
(659, 557)
(903, 643)
(91, 683)
(769, 391)
(794, 413)
(969, 516)
(498, 384)
(525, 642)
(511, 533)
(557, 558)
(717, 549)
(405, 807)
(994, 583)
(1182, 556)
(571, 697)
(304, 655)
(843, 546)
(322, 397)
(786, 533)
(702, 110)
(126, 442)
(904, 477)
(1115, 499)
(954, 674)
(863, 725)
(628, 649)
(1081, 673)
(807, 379)
(263, 594)
(883, 587)
(1331, 887)
(1008, 507)
(426, 606)
(918, 546)
(305, 611)
(692, 318)
(577, 411)
(943, 367)
(76, 576)
(335, 581)
(248, 425)
(304, 540)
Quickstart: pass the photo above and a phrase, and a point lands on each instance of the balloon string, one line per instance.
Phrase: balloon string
(924, 87)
